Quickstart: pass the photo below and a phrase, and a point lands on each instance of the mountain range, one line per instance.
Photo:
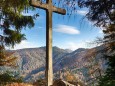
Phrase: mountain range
(81, 62)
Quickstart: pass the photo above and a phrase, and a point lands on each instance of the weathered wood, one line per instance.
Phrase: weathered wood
(49, 65)
(41, 5)
(59, 10)
(38, 4)
(49, 9)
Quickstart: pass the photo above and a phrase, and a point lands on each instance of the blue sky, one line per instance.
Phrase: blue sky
(68, 33)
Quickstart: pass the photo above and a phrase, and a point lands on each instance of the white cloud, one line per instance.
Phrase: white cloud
(24, 44)
(81, 12)
(100, 31)
(28, 14)
(67, 29)
(74, 46)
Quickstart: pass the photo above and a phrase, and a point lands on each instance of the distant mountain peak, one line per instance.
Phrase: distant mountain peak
(79, 50)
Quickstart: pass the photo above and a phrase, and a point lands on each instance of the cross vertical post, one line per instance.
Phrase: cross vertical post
(49, 63)
(49, 9)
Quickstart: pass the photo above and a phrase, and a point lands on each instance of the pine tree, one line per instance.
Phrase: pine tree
(102, 14)
(9, 77)
(109, 78)
(7, 58)
(12, 21)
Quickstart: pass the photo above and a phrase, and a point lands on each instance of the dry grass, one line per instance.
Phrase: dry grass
(19, 84)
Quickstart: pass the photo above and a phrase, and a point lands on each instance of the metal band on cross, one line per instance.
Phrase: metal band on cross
(49, 9)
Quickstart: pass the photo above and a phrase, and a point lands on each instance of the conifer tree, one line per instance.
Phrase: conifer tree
(7, 58)
(102, 13)
(12, 21)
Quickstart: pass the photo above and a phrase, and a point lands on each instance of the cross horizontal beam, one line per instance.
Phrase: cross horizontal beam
(39, 4)
(59, 10)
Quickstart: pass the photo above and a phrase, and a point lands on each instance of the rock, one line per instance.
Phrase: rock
(59, 83)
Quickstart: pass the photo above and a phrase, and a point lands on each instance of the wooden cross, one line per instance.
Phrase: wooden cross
(49, 9)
